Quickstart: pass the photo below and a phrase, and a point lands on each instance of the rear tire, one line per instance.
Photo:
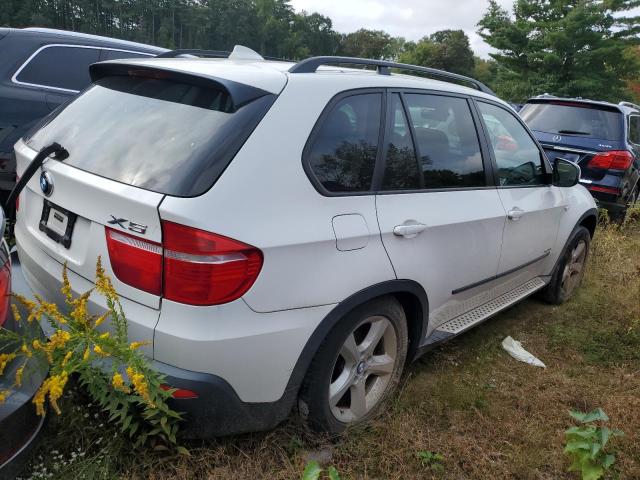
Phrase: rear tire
(357, 367)
(569, 271)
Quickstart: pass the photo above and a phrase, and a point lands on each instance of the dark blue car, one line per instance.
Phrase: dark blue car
(602, 138)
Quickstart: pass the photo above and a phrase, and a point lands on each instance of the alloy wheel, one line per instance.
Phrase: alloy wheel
(574, 269)
(363, 369)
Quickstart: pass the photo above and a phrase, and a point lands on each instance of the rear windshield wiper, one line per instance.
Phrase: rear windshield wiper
(573, 132)
(55, 149)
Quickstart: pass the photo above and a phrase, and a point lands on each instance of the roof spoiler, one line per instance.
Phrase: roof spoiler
(240, 93)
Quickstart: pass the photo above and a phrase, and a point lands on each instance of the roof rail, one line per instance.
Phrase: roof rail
(629, 104)
(196, 52)
(310, 65)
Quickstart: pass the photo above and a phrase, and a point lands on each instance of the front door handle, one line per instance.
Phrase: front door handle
(408, 230)
(515, 213)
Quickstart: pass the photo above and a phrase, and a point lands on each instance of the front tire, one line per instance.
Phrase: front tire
(357, 367)
(570, 269)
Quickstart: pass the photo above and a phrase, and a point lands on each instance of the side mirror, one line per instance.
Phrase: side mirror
(565, 173)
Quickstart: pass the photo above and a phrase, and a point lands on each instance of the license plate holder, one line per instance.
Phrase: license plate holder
(57, 223)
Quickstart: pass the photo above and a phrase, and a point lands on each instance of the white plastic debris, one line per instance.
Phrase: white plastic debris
(514, 348)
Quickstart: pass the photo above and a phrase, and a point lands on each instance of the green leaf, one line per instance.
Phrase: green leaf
(183, 451)
(608, 460)
(591, 471)
(575, 446)
(597, 415)
(333, 473)
(595, 448)
(603, 435)
(311, 471)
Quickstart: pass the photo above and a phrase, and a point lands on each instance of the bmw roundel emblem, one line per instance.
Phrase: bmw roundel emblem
(46, 183)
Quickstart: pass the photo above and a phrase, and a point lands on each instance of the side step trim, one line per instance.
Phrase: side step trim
(473, 317)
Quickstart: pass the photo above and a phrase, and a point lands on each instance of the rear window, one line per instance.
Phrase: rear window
(567, 118)
(167, 137)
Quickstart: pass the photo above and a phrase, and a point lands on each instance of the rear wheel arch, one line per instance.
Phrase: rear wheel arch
(589, 221)
(409, 294)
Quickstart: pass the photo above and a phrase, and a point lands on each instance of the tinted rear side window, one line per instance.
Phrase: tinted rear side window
(343, 153)
(60, 67)
(164, 136)
(570, 118)
(447, 140)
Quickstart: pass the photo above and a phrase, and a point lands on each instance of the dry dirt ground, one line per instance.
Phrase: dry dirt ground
(489, 416)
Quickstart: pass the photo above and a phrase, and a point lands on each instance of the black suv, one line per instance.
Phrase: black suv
(602, 138)
(41, 68)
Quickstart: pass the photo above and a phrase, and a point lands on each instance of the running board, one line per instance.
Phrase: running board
(473, 317)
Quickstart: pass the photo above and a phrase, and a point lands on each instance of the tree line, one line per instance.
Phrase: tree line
(565, 47)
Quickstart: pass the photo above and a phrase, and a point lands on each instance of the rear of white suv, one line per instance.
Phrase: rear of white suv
(260, 277)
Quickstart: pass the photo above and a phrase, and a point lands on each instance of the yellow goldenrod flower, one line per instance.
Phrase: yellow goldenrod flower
(66, 285)
(140, 385)
(104, 336)
(39, 397)
(103, 282)
(56, 389)
(100, 319)
(5, 358)
(4, 394)
(19, 373)
(136, 345)
(24, 349)
(79, 312)
(16, 313)
(67, 357)
(118, 383)
(100, 351)
(85, 357)
(37, 345)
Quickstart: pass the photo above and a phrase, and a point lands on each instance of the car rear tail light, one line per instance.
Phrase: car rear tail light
(203, 268)
(609, 190)
(191, 266)
(614, 160)
(135, 261)
(5, 291)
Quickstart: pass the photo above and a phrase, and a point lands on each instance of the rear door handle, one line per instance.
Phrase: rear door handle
(515, 213)
(408, 230)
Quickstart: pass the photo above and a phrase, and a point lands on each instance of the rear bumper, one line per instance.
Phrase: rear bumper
(218, 410)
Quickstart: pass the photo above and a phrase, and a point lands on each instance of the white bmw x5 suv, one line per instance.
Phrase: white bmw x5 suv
(295, 234)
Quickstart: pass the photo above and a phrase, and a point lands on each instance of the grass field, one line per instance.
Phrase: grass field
(488, 415)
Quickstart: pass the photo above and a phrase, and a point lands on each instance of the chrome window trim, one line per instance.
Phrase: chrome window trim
(15, 80)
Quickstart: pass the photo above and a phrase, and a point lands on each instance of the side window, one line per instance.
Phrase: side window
(61, 67)
(634, 129)
(446, 140)
(517, 156)
(343, 153)
(116, 54)
(401, 168)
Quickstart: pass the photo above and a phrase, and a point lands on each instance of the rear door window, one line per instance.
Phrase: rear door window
(160, 135)
(342, 154)
(573, 118)
(60, 66)
(446, 140)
